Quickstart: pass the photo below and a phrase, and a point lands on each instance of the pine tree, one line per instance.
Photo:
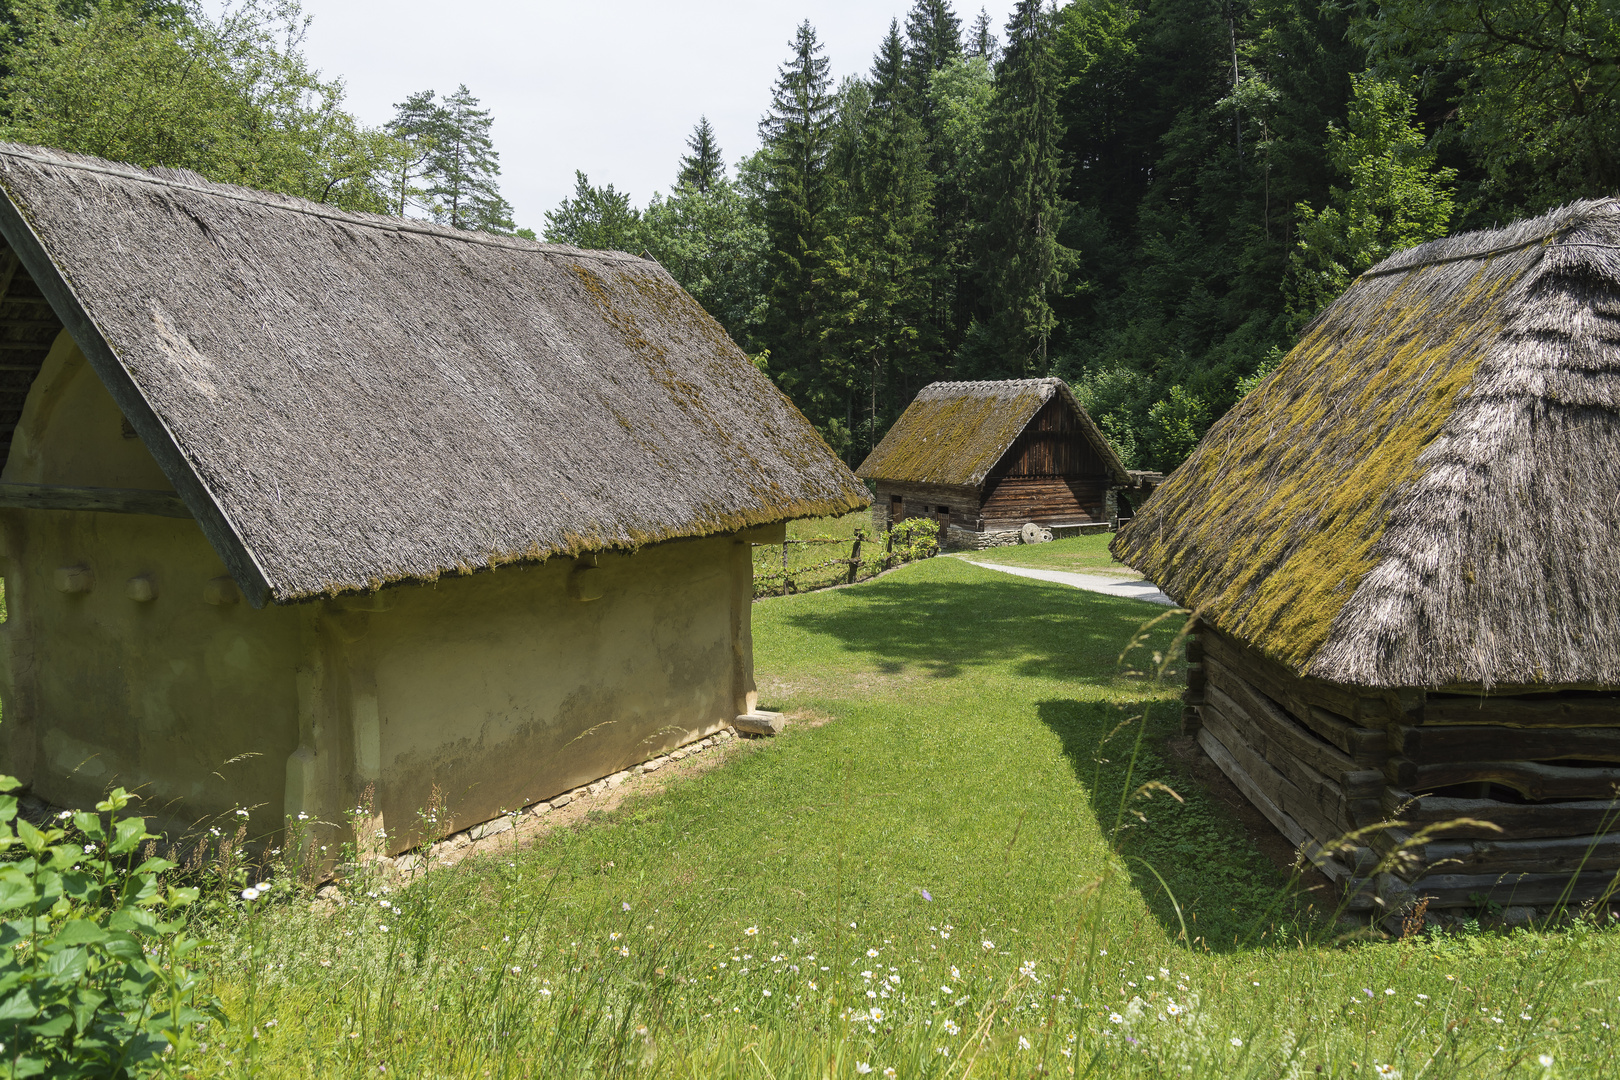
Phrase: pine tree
(464, 166)
(1021, 262)
(797, 210)
(981, 39)
(419, 126)
(703, 167)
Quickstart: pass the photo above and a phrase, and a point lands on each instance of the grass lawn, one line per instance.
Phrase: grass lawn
(938, 870)
(1081, 554)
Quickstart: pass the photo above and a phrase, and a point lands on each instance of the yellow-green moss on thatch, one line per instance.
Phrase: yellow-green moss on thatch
(1417, 496)
(954, 433)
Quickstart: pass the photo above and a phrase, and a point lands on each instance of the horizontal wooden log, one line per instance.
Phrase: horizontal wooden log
(1508, 890)
(101, 500)
(1562, 854)
(1530, 779)
(1430, 745)
(1302, 793)
(1523, 712)
(1518, 821)
(1333, 868)
(1363, 746)
(1279, 729)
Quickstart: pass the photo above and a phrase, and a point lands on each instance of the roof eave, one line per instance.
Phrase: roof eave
(239, 559)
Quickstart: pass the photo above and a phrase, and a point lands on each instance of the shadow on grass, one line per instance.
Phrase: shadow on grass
(1225, 887)
(979, 618)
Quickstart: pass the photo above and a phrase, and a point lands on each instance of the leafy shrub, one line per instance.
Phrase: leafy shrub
(915, 538)
(93, 981)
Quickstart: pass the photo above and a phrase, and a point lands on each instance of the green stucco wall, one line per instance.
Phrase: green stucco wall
(497, 689)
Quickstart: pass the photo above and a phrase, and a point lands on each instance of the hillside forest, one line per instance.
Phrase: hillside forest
(1147, 198)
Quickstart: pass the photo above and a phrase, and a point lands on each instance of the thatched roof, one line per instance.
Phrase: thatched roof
(954, 433)
(346, 400)
(1424, 493)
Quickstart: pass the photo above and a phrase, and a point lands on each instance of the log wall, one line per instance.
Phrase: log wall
(1322, 760)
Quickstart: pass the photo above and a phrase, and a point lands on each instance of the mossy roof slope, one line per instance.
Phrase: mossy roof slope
(1423, 494)
(955, 433)
(346, 400)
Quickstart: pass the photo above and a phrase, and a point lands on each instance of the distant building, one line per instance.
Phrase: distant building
(986, 458)
(301, 504)
(1404, 552)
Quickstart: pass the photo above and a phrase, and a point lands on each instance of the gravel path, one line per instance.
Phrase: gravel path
(1131, 589)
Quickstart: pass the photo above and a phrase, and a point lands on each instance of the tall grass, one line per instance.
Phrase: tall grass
(961, 861)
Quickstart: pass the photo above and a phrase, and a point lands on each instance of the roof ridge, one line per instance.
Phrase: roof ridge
(281, 201)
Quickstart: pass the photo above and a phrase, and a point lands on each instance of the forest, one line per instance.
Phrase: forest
(1148, 199)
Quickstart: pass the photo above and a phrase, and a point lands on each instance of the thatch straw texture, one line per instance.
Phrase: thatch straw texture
(954, 433)
(366, 399)
(1423, 495)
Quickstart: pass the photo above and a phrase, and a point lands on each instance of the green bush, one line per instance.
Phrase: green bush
(93, 981)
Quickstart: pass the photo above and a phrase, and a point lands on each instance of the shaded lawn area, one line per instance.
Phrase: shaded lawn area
(930, 840)
(1079, 554)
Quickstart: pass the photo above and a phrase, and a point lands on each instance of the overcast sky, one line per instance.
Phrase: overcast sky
(612, 88)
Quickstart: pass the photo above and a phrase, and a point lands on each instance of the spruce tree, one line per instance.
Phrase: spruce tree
(797, 207)
(703, 167)
(933, 39)
(981, 39)
(1020, 261)
(464, 165)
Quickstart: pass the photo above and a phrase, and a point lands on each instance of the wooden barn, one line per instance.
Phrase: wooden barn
(1403, 549)
(986, 458)
(301, 504)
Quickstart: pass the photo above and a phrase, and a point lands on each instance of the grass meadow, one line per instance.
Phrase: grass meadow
(954, 863)
(1079, 554)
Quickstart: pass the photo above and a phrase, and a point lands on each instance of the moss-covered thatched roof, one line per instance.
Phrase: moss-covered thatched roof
(1424, 493)
(346, 400)
(954, 433)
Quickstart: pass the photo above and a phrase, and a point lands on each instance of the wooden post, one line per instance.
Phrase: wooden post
(855, 557)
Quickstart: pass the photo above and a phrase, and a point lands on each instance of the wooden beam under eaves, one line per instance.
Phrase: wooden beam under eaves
(101, 500)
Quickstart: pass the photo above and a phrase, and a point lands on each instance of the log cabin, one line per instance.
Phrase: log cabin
(1403, 551)
(299, 504)
(985, 458)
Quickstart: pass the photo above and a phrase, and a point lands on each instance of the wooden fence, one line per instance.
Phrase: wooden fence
(869, 555)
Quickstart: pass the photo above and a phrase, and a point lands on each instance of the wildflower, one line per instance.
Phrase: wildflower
(263, 886)
(1023, 1043)
(945, 1050)
(241, 813)
(1102, 952)
(877, 1015)
(987, 944)
(866, 974)
(326, 963)
(89, 849)
(516, 970)
(1546, 1061)
(213, 830)
(1524, 1016)
(751, 931)
(383, 927)
(862, 1067)
(63, 815)
(1115, 1018)
(895, 979)
(871, 993)
(1173, 1009)
(614, 936)
(1367, 991)
(624, 950)
(1387, 1070)
(813, 985)
(951, 1027)
(945, 990)
(852, 926)
(302, 816)
(545, 991)
(1257, 984)
(890, 1071)
(1389, 993)
(1423, 997)
(1236, 1041)
(625, 907)
(767, 993)
(871, 952)
(250, 894)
